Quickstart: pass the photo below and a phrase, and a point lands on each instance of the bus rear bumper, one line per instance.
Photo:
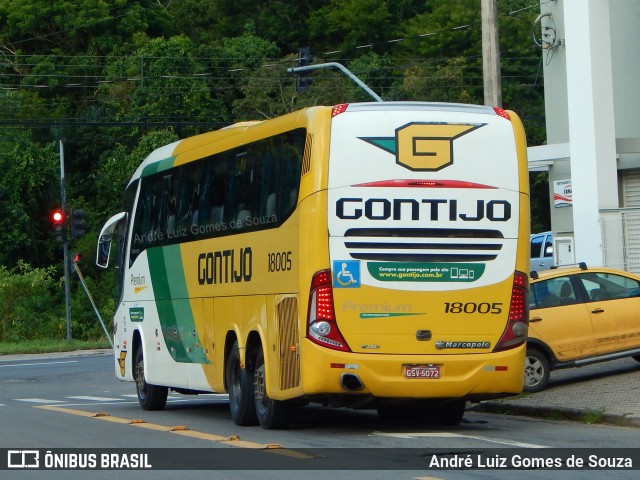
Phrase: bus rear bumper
(475, 376)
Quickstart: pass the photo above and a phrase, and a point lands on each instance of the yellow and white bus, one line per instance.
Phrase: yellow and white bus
(367, 255)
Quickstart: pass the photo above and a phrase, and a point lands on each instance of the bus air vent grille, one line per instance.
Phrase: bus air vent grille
(306, 158)
(423, 244)
(287, 311)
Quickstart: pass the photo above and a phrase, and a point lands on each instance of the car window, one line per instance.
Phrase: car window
(548, 246)
(536, 247)
(609, 286)
(554, 292)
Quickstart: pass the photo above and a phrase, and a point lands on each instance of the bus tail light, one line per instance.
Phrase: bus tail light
(338, 109)
(502, 112)
(321, 318)
(518, 325)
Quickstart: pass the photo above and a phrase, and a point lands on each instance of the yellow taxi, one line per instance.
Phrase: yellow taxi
(578, 316)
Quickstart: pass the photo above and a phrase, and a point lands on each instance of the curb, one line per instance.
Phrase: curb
(557, 413)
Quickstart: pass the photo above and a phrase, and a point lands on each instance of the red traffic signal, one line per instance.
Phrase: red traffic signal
(57, 217)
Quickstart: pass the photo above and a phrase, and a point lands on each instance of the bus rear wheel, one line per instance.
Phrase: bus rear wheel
(271, 413)
(240, 388)
(150, 397)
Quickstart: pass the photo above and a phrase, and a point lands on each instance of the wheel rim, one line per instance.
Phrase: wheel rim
(259, 389)
(533, 372)
(140, 381)
(235, 392)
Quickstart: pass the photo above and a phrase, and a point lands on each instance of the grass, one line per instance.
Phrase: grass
(48, 346)
(593, 417)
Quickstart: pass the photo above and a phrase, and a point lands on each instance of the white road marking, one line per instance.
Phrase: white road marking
(414, 435)
(96, 399)
(201, 396)
(37, 363)
(38, 400)
(124, 399)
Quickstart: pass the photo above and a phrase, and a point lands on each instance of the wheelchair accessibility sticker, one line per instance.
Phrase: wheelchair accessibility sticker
(346, 273)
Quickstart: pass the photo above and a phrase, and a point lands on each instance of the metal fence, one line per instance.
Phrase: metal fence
(621, 239)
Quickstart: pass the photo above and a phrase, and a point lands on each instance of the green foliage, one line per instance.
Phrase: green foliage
(351, 22)
(30, 301)
(32, 305)
(27, 195)
(540, 207)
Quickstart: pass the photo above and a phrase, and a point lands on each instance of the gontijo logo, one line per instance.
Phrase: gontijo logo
(422, 146)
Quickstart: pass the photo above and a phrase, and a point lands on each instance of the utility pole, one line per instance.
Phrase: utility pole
(65, 243)
(491, 54)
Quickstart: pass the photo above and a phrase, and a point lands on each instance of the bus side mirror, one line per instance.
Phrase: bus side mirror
(104, 240)
(103, 253)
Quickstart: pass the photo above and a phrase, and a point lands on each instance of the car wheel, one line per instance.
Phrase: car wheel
(536, 371)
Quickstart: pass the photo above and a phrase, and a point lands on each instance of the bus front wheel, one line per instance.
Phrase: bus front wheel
(150, 397)
(240, 389)
(271, 413)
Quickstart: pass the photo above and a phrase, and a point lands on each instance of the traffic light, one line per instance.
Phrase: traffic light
(304, 59)
(77, 223)
(57, 219)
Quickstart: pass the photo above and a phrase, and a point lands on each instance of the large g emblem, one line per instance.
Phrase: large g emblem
(428, 146)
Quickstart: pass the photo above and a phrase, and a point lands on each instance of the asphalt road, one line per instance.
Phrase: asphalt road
(75, 402)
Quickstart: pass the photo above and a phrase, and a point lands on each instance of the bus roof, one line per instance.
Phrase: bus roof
(164, 157)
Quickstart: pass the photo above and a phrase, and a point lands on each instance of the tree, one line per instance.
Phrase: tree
(29, 191)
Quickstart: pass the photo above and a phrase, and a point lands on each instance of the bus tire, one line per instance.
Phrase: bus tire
(272, 414)
(536, 371)
(150, 397)
(240, 389)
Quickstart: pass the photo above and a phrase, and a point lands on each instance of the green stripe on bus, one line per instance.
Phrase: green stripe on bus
(156, 167)
(174, 309)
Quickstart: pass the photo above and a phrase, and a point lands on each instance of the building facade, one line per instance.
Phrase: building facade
(591, 58)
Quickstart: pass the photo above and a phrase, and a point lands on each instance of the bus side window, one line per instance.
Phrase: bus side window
(189, 199)
(271, 204)
(170, 199)
(218, 178)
